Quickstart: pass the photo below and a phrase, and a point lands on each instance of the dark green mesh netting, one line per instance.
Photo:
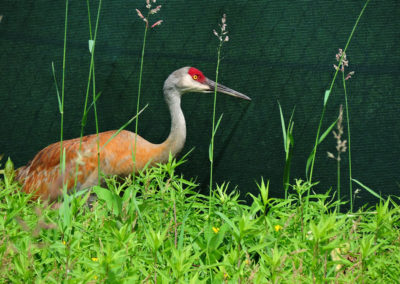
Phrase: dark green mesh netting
(278, 51)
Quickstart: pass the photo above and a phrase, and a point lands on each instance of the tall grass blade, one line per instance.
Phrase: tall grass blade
(327, 131)
(124, 126)
(60, 108)
(283, 126)
(348, 142)
(138, 97)
(320, 140)
(218, 122)
(61, 105)
(368, 189)
(326, 96)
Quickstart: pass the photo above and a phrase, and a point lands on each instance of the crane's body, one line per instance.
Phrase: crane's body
(115, 158)
(42, 175)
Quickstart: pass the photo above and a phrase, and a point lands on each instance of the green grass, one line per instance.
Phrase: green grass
(157, 229)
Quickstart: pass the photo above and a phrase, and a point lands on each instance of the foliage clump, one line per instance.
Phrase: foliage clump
(157, 228)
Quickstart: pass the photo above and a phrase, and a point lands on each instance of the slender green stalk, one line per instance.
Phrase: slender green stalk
(338, 185)
(94, 93)
(348, 143)
(211, 153)
(84, 118)
(330, 90)
(138, 97)
(211, 149)
(91, 75)
(63, 85)
(65, 210)
(222, 37)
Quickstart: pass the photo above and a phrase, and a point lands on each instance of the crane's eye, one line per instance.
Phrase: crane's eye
(195, 77)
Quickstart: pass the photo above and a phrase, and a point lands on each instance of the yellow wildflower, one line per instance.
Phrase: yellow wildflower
(278, 228)
(64, 242)
(95, 259)
(216, 230)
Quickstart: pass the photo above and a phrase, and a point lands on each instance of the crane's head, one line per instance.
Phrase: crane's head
(190, 79)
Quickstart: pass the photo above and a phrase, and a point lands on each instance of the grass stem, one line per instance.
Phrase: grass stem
(211, 153)
(138, 98)
(348, 143)
(90, 76)
(63, 84)
(330, 90)
(94, 93)
(338, 185)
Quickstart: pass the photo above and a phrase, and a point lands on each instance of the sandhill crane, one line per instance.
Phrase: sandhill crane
(42, 175)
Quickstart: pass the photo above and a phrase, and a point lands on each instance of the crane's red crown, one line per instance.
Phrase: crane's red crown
(196, 74)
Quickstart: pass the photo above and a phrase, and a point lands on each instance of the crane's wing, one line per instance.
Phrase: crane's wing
(43, 176)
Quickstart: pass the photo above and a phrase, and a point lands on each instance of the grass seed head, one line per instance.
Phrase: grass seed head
(222, 35)
(341, 57)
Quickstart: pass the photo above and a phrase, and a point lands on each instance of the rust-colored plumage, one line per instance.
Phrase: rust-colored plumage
(42, 175)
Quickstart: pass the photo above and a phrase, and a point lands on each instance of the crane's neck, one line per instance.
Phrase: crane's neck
(177, 136)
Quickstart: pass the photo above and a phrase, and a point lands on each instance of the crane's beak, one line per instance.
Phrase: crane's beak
(225, 90)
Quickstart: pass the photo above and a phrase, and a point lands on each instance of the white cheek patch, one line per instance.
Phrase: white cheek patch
(188, 84)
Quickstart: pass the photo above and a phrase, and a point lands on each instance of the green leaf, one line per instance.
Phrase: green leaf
(230, 223)
(113, 201)
(60, 107)
(258, 247)
(309, 160)
(264, 190)
(321, 138)
(84, 119)
(218, 237)
(217, 125)
(290, 135)
(9, 172)
(283, 127)
(91, 45)
(288, 142)
(65, 213)
(329, 130)
(326, 97)
(368, 189)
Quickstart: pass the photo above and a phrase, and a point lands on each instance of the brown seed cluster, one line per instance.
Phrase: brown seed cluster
(341, 145)
(151, 11)
(342, 64)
